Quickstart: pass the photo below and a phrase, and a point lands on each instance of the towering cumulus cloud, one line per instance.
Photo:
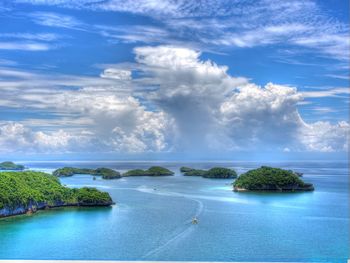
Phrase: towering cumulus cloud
(189, 90)
(169, 100)
(214, 110)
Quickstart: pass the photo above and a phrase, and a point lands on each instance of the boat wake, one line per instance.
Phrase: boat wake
(187, 228)
(146, 189)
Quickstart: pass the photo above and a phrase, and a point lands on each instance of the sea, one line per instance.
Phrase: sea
(152, 218)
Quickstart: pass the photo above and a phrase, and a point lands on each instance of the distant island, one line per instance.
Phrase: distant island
(27, 192)
(152, 171)
(11, 166)
(106, 173)
(271, 179)
(216, 172)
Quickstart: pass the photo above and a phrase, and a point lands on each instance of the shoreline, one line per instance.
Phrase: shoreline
(296, 190)
(48, 208)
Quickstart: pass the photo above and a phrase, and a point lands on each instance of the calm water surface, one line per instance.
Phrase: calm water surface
(152, 219)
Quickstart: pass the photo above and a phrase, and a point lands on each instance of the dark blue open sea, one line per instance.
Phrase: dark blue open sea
(152, 219)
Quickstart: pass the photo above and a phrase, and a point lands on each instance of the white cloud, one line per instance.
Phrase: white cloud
(27, 46)
(338, 76)
(325, 137)
(118, 74)
(115, 125)
(135, 33)
(37, 82)
(175, 102)
(333, 44)
(120, 123)
(212, 109)
(51, 19)
(286, 150)
(15, 137)
(233, 23)
(323, 110)
(190, 91)
(30, 36)
(28, 41)
(155, 7)
(171, 66)
(327, 92)
(108, 122)
(257, 116)
(269, 34)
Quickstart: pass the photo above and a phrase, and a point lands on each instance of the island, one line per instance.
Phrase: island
(192, 172)
(106, 173)
(30, 191)
(270, 179)
(11, 166)
(152, 171)
(215, 172)
(185, 169)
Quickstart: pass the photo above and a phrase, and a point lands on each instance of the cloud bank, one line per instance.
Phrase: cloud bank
(169, 100)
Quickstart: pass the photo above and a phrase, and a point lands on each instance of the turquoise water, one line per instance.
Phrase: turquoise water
(152, 219)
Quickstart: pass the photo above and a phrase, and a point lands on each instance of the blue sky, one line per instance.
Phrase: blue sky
(174, 79)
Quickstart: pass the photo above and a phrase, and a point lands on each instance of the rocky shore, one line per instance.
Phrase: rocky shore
(32, 208)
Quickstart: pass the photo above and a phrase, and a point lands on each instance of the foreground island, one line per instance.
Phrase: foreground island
(216, 172)
(105, 173)
(270, 179)
(11, 166)
(27, 192)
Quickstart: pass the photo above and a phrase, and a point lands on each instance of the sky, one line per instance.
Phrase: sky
(174, 79)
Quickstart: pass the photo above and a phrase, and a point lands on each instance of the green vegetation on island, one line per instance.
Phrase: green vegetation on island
(185, 169)
(29, 191)
(106, 173)
(195, 172)
(216, 172)
(152, 171)
(11, 166)
(219, 172)
(88, 196)
(270, 179)
(135, 172)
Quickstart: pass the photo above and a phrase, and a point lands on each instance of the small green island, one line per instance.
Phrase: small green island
(105, 173)
(11, 166)
(152, 171)
(215, 172)
(30, 191)
(271, 179)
